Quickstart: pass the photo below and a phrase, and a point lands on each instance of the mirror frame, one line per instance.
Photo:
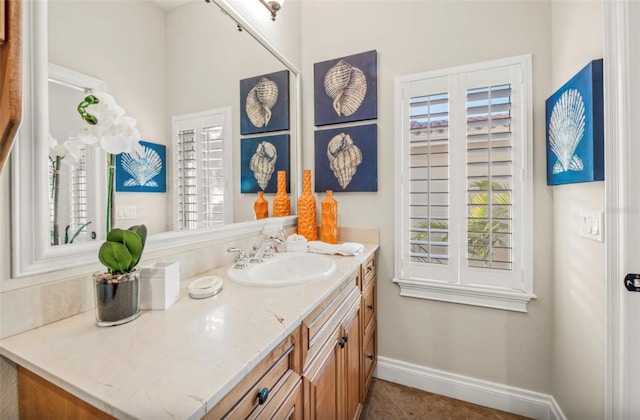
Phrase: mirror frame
(31, 252)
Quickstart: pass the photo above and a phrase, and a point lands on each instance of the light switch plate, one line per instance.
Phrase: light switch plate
(125, 212)
(591, 223)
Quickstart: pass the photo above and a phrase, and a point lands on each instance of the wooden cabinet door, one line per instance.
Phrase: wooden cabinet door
(322, 384)
(352, 364)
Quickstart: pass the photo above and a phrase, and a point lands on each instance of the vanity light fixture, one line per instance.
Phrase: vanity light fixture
(273, 6)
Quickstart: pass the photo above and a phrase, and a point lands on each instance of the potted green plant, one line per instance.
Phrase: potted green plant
(117, 289)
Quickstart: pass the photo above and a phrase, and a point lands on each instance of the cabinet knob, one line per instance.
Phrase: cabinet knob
(343, 340)
(263, 395)
(369, 268)
(370, 356)
(370, 307)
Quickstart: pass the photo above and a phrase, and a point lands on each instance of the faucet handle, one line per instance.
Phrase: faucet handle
(241, 258)
(268, 252)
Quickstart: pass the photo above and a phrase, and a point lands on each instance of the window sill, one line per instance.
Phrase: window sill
(509, 300)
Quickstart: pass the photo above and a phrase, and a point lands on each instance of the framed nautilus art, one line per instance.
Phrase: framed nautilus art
(347, 159)
(146, 173)
(575, 129)
(260, 160)
(346, 89)
(264, 103)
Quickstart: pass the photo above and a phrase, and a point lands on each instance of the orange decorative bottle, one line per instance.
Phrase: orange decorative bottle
(329, 217)
(261, 206)
(281, 203)
(307, 209)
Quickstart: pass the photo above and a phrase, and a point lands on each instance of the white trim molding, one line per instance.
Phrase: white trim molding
(489, 394)
(618, 119)
(509, 300)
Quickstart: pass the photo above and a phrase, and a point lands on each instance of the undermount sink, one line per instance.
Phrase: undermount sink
(284, 269)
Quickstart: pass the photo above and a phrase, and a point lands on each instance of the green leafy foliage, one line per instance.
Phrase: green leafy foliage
(68, 240)
(482, 235)
(123, 249)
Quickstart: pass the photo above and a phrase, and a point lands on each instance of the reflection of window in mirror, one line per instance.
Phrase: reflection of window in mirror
(202, 176)
(73, 184)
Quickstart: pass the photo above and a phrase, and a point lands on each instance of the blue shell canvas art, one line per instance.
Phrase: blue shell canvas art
(346, 89)
(264, 103)
(260, 160)
(148, 173)
(346, 159)
(575, 129)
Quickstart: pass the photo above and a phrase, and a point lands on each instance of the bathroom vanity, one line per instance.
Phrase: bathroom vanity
(304, 351)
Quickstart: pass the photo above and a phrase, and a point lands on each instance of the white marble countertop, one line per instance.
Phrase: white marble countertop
(173, 363)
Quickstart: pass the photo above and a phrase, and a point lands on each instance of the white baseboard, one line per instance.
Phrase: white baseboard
(489, 394)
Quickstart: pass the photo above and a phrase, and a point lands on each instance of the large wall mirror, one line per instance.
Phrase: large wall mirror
(173, 65)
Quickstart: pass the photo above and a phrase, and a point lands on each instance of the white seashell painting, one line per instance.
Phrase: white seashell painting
(575, 128)
(566, 129)
(263, 163)
(347, 86)
(346, 159)
(346, 89)
(147, 173)
(260, 100)
(264, 103)
(261, 158)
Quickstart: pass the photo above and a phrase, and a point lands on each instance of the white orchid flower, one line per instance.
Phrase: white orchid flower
(69, 152)
(122, 137)
(116, 133)
(107, 109)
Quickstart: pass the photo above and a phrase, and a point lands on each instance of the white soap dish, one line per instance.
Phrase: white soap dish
(205, 287)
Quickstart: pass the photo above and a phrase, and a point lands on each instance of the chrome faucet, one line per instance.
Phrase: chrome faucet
(265, 250)
(241, 259)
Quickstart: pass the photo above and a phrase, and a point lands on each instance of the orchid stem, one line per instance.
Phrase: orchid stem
(111, 162)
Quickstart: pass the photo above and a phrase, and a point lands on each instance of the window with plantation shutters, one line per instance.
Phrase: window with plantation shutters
(463, 166)
(203, 195)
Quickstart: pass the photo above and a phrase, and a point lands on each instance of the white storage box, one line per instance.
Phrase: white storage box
(159, 285)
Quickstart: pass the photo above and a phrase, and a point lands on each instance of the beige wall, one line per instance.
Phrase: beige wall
(417, 36)
(579, 274)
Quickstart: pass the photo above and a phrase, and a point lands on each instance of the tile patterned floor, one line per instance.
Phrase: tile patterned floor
(387, 400)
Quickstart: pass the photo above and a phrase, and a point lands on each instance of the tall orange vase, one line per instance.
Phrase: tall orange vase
(281, 202)
(329, 218)
(307, 209)
(261, 206)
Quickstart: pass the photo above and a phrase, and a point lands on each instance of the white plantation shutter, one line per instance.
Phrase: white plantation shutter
(463, 160)
(75, 208)
(213, 180)
(186, 179)
(431, 248)
(489, 177)
(79, 202)
(203, 195)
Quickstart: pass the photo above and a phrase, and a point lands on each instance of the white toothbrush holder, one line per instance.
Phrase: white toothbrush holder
(159, 285)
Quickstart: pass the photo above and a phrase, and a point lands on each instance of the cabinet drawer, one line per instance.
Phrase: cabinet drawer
(369, 359)
(368, 271)
(286, 403)
(323, 321)
(369, 308)
(276, 372)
